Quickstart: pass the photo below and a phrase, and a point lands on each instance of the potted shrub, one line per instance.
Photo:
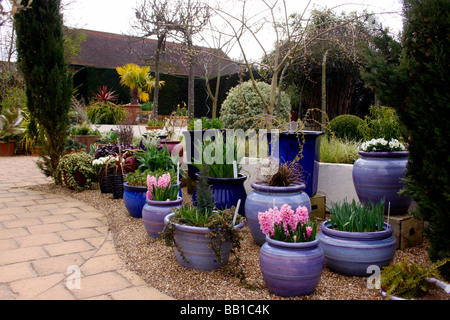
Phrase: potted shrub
(378, 174)
(84, 134)
(76, 171)
(135, 192)
(162, 198)
(10, 126)
(224, 178)
(357, 237)
(103, 110)
(203, 238)
(284, 186)
(291, 259)
(115, 171)
(140, 82)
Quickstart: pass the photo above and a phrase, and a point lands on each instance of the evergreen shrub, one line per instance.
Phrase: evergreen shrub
(346, 127)
(243, 105)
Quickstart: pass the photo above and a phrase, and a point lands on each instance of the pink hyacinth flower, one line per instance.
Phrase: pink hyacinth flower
(149, 195)
(151, 181)
(303, 215)
(308, 232)
(164, 180)
(266, 222)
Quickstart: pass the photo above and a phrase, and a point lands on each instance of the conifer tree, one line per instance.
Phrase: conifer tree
(418, 89)
(48, 83)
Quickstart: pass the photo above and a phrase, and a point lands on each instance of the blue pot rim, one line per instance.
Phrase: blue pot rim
(240, 179)
(134, 188)
(193, 229)
(292, 245)
(387, 154)
(386, 233)
(293, 188)
(172, 203)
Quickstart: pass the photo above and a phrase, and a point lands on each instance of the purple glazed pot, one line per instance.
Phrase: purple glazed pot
(378, 175)
(154, 212)
(195, 246)
(291, 269)
(263, 197)
(351, 253)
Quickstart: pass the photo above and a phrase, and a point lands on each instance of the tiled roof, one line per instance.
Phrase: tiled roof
(109, 50)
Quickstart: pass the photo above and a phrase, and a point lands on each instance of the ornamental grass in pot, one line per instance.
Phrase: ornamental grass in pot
(356, 237)
(223, 171)
(202, 236)
(291, 259)
(284, 185)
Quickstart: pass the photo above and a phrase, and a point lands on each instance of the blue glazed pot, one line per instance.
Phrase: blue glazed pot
(227, 192)
(291, 269)
(289, 149)
(195, 246)
(154, 212)
(134, 199)
(263, 197)
(351, 253)
(378, 175)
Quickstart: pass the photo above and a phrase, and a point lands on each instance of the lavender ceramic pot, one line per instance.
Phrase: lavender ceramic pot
(351, 253)
(263, 197)
(291, 269)
(154, 212)
(194, 245)
(378, 175)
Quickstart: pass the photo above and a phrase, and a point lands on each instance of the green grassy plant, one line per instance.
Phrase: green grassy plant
(335, 150)
(356, 217)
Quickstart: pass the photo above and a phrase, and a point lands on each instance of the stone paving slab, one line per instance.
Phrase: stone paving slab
(57, 248)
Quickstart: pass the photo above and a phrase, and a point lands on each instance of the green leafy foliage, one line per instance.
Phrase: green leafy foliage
(346, 127)
(49, 86)
(243, 107)
(416, 85)
(357, 217)
(407, 279)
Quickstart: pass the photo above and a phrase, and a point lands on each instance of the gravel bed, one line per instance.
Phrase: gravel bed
(156, 264)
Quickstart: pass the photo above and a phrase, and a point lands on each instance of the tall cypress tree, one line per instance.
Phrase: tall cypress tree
(418, 88)
(48, 83)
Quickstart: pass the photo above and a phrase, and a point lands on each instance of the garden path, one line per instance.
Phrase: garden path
(56, 248)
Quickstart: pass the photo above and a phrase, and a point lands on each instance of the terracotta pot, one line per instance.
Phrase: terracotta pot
(7, 148)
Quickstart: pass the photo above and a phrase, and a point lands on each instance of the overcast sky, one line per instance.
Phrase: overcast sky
(115, 16)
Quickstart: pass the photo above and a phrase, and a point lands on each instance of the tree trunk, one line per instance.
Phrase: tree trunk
(191, 82)
(159, 50)
(324, 89)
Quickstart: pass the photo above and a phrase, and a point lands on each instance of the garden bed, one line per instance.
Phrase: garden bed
(157, 265)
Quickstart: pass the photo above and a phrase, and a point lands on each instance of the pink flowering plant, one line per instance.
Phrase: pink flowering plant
(288, 225)
(162, 188)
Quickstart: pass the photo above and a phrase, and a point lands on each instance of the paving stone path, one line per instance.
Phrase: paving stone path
(56, 248)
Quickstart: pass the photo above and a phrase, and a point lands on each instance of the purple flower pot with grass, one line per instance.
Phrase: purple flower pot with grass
(352, 253)
(263, 197)
(291, 269)
(195, 247)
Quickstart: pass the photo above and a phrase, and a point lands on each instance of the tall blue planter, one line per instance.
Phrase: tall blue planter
(227, 192)
(378, 175)
(134, 199)
(291, 269)
(290, 148)
(263, 197)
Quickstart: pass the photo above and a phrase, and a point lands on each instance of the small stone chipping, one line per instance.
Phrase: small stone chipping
(156, 264)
